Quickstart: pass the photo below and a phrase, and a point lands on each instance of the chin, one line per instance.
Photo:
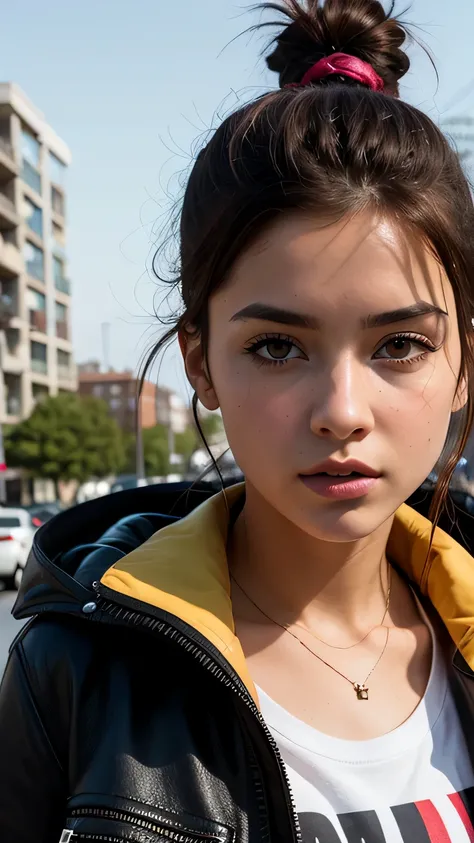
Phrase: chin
(342, 521)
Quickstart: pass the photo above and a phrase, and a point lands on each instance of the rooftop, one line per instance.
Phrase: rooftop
(13, 96)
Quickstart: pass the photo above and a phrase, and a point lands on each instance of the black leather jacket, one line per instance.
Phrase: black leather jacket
(118, 721)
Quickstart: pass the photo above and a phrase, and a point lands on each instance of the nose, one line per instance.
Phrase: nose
(342, 409)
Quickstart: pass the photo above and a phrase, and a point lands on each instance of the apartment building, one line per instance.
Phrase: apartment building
(35, 295)
(119, 391)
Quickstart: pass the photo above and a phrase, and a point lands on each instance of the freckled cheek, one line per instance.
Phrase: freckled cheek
(416, 416)
(255, 408)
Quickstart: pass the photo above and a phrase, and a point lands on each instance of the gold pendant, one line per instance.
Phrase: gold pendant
(362, 691)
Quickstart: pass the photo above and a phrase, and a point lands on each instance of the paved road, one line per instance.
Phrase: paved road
(8, 625)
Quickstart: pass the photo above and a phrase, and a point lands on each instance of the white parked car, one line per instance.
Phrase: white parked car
(16, 537)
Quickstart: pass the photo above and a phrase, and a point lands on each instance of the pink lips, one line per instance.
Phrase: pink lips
(339, 488)
(348, 487)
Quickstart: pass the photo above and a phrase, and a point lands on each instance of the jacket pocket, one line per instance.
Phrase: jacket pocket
(137, 823)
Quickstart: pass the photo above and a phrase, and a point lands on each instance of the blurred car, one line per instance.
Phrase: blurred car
(42, 512)
(16, 536)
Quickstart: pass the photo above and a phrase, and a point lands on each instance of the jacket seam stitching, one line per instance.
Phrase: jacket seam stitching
(24, 666)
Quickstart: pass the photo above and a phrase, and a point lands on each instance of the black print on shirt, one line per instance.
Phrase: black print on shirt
(418, 822)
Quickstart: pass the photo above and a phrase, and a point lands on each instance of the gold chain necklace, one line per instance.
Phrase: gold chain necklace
(361, 640)
(361, 689)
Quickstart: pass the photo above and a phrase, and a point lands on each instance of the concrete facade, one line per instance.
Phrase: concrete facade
(35, 297)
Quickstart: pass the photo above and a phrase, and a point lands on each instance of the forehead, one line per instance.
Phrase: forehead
(357, 265)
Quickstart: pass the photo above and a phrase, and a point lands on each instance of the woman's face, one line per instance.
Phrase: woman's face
(334, 343)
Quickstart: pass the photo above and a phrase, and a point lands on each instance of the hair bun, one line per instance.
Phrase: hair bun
(359, 28)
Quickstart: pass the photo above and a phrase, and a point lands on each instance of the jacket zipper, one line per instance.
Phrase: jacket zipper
(222, 673)
(141, 819)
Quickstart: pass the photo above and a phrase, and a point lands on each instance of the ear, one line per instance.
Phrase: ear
(196, 369)
(460, 399)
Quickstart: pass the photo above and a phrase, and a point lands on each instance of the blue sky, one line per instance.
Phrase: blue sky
(130, 85)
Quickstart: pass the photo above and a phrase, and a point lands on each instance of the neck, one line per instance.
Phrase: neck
(294, 577)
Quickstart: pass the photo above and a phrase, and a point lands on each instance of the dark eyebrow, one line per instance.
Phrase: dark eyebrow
(268, 313)
(419, 308)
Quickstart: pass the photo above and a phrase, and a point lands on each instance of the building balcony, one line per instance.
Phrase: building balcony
(12, 364)
(39, 367)
(11, 261)
(8, 165)
(8, 215)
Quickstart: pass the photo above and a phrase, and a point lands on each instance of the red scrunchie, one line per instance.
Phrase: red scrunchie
(341, 64)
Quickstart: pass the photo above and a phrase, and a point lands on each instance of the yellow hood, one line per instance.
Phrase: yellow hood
(183, 570)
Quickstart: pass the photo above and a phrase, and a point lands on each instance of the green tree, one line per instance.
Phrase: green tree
(185, 443)
(212, 426)
(67, 437)
(156, 451)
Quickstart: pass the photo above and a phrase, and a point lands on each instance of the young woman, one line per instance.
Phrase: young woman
(293, 659)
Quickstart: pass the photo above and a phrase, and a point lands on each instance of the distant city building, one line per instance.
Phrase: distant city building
(119, 391)
(172, 410)
(90, 366)
(35, 295)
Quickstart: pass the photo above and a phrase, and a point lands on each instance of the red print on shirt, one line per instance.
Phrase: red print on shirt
(418, 822)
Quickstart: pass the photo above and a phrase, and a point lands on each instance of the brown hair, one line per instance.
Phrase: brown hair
(332, 148)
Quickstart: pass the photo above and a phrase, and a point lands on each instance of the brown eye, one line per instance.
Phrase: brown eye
(399, 348)
(404, 348)
(275, 349)
(278, 349)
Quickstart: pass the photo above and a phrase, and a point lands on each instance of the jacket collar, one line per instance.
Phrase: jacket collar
(191, 578)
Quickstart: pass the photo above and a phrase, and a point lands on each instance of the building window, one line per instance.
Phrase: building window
(57, 170)
(98, 390)
(39, 358)
(12, 336)
(116, 389)
(39, 392)
(8, 300)
(115, 403)
(61, 312)
(36, 304)
(33, 216)
(12, 394)
(34, 260)
(58, 240)
(60, 281)
(57, 201)
(64, 364)
(61, 321)
(30, 149)
(31, 177)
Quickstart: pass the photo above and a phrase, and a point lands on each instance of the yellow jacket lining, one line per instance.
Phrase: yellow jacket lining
(183, 570)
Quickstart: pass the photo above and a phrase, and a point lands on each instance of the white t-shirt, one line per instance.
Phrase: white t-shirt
(413, 785)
